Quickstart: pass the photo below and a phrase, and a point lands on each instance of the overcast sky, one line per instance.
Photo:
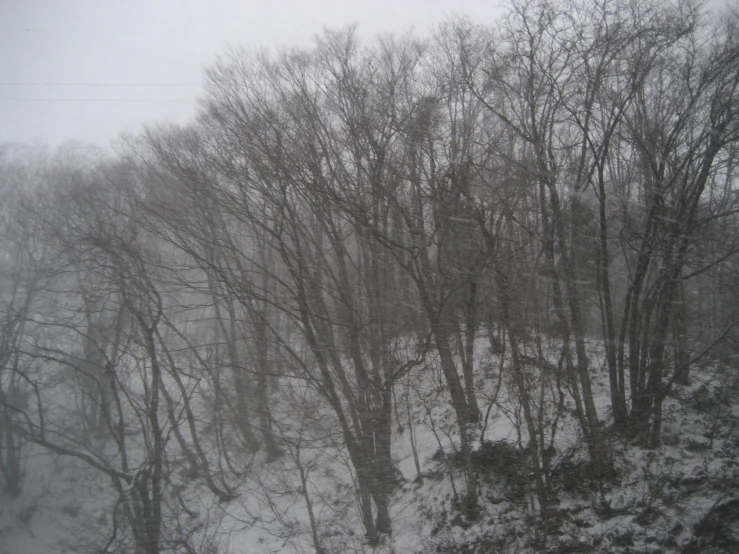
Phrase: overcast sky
(89, 70)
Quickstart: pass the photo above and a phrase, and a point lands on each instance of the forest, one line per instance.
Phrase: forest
(473, 292)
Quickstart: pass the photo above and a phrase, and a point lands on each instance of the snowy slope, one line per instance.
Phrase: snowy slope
(659, 502)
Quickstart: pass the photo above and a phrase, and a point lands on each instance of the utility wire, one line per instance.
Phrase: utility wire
(10, 84)
(115, 100)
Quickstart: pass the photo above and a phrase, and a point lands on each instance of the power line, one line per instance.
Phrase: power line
(52, 148)
(10, 84)
(122, 100)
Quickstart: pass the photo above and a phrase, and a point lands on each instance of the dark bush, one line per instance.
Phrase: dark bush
(574, 476)
(496, 462)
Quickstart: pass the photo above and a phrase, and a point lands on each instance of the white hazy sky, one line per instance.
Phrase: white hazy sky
(89, 70)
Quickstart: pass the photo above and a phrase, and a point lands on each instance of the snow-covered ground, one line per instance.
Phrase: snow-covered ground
(658, 503)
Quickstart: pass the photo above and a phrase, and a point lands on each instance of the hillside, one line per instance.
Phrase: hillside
(474, 292)
(681, 497)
